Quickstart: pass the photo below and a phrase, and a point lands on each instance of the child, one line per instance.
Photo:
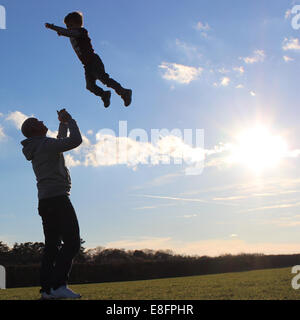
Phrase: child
(93, 65)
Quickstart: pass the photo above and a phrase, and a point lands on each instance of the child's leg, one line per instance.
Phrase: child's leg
(91, 84)
(99, 71)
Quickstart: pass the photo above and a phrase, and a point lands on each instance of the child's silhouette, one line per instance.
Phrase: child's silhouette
(93, 65)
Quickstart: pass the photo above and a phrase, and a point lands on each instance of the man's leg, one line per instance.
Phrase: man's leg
(52, 243)
(69, 230)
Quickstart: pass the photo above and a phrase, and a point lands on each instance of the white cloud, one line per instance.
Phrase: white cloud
(225, 81)
(287, 14)
(17, 118)
(2, 134)
(240, 70)
(203, 28)
(110, 150)
(287, 59)
(252, 93)
(258, 56)
(291, 44)
(180, 73)
(189, 50)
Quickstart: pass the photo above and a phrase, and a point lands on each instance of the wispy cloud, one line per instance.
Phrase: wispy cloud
(240, 70)
(224, 82)
(287, 59)
(291, 44)
(203, 28)
(2, 134)
(180, 73)
(258, 56)
(189, 50)
(288, 14)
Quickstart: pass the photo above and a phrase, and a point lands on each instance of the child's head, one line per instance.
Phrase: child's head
(74, 20)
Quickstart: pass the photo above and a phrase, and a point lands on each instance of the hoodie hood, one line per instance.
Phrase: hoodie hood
(30, 146)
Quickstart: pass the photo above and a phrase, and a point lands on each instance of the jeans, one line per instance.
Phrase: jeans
(96, 71)
(60, 224)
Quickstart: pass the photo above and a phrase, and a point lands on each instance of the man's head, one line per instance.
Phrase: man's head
(32, 127)
(74, 20)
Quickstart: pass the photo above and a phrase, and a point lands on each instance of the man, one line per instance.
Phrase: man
(55, 208)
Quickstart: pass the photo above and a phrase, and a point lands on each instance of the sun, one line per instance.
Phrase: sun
(258, 149)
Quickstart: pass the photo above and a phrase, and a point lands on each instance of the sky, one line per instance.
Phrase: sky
(206, 159)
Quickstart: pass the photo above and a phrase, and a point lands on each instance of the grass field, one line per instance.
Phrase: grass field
(273, 284)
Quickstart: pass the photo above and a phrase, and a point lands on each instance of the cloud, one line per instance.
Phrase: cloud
(252, 93)
(287, 14)
(240, 70)
(2, 134)
(203, 28)
(291, 44)
(275, 206)
(190, 51)
(287, 59)
(17, 118)
(224, 82)
(180, 73)
(258, 56)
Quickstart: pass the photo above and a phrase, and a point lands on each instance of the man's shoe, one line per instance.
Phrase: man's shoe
(64, 292)
(46, 295)
(127, 96)
(106, 98)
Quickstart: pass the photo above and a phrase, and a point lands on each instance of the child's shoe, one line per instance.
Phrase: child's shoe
(106, 98)
(127, 96)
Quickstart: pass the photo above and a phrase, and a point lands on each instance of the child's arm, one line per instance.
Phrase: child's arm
(62, 31)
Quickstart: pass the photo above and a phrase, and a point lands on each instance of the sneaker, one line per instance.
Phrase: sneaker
(46, 295)
(127, 96)
(64, 292)
(106, 98)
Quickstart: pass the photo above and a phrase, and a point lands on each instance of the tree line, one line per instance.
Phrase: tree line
(101, 264)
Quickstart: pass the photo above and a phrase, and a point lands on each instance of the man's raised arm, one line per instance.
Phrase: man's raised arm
(64, 143)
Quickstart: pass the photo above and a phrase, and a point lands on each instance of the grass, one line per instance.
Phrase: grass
(271, 284)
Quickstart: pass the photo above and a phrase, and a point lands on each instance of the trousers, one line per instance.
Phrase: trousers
(94, 71)
(62, 240)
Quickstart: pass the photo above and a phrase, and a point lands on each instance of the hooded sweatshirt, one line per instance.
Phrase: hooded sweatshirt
(48, 163)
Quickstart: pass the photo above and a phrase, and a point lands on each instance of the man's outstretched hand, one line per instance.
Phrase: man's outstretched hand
(63, 116)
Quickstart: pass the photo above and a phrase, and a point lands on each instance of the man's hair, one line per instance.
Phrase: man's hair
(27, 127)
(75, 16)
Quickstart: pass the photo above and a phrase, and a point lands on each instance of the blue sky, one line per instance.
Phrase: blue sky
(228, 68)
